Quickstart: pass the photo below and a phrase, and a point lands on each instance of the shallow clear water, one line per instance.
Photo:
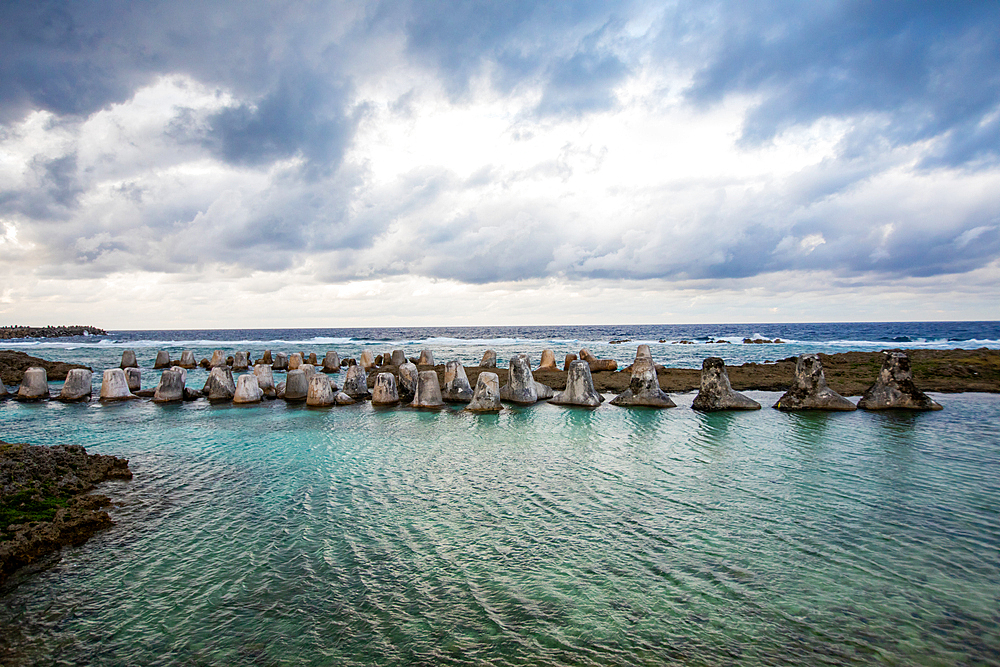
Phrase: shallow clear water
(276, 535)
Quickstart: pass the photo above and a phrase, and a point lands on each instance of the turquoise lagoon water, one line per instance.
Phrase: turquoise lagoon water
(277, 535)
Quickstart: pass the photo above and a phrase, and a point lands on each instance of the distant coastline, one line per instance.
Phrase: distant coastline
(10, 332)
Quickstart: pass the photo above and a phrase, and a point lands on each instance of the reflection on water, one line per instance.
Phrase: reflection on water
(541, 535)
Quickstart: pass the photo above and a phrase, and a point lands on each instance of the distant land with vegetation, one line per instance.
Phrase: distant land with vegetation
(9, 332)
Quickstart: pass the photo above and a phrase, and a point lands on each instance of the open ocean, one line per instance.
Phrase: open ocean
(545, 535)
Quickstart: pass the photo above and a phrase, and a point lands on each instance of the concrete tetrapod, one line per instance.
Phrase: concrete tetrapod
(162, 360)
(320, 392)
(643, 351)
(428, 394)
(579, 387)
(266, 358)
(548, 361)
(280, 362)
(248, 391)
(407, 380)
(521, 387)
(35, 385)
(265, 380)
(398, 358)
(295, 361)
(171, 386)
(114, 386)
(3, 391)
(489, 359)
(426, 358)
(894, 388)
(716, 393)
(809, 390)
(356, 382)
(240, 362)
(570, 358)
(312, 359)
(219, 387)
(187, 360)
(331, 362)
(77, 386)
(644, 387)
(487, 395)
(456, 383)
(598, 364)
(384, 392)
(367, 361)
(134, 378)
(128, 360)
(296, 386)
(218, 359)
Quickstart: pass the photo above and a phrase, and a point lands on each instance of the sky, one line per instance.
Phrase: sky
(428, 163)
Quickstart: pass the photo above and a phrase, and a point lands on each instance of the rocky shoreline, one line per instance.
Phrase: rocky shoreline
(11, 332)
(13, 364)
(45, 500)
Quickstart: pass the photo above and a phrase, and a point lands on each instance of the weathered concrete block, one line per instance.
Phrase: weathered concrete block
(356, 382)
(428, 394)
(343, 399)
(367, 361)
(407, 380)
(162, 360)
(320, 392)
(398, 358)
(544, 391)
(486, 398)
(218, 359)
(296, 386)
(894, 388)
(280, 362)
(134, 378)
(384, 392)
(548, 361)
(35, 384)
(295, 361)
(489, 359)
(114, 386)
(240, 362)
(312, 359)
(247, 390)
(128, 360)
(570, 358)
(644, 387)
(331, 362)
(77, 387)
(170, 388)
(579, 387)
(520, 387)
(716, 393)
(266, 358)
(220, 387)
(456, 383)
(187, 360)
(426, 358)
(809, 390)
(265, 380)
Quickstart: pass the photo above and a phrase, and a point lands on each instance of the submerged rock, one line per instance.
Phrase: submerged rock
(220, 386)
(894, 388)
(398, 358)
(280, 362)
(320, 392)
(407, 380)
(486, 398)
(356, 382)
(265, 380)
(240, 362)
(548, 361)
(134, 378)
(644, 387)
(456, 383)
(426, 358)
(247, 390)
(77, 387)
(162, 360)
(809, 390)
(428, 394)
(114, 386)
(170, 389)
(331, 362)
(579, 387)
(187, 360)
(218, 359)
(296, 386)
(489, 360)
(384, 392)
(520, 387)
(716, 393)
(128, 360)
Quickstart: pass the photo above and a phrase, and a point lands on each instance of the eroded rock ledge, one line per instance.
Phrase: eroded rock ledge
(43, 499)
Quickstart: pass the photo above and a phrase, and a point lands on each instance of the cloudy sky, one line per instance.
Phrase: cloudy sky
(264, 164)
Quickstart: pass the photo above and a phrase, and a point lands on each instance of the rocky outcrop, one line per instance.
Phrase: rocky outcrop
(548, 361)
(426, 358)
(162, 360)
(570, 358)
(384, 392)
(716, 393)
(489, 359)
(219, 388)
(894, 388)
(356, 382)
(428, 394)
(114, 386)
(128, 360)
(34, 385)
(171, 386)
(218, 359)
(265, 380)
(13, 364)
(296, 386)
(809, 390)
(240, 362)
(520, 387)
(456, 383)
(331, 362)
(78, 386)
(187, 360)
(398, 358)
(280, 362)
(644, 387)
(248, 391)
(320, 392)
(486, 398)
(579, 387)
(133, 376)
(41, 498)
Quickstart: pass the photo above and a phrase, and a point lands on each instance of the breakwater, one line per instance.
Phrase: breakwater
(14, 332)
